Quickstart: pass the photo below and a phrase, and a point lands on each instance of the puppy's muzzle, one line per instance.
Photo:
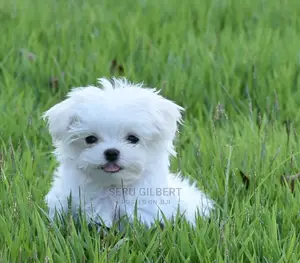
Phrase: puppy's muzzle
(111, 156)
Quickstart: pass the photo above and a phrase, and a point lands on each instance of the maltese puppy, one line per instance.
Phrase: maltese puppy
(113, 146)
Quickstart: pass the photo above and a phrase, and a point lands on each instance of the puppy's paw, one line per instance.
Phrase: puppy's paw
(205, 206)
(192, 201)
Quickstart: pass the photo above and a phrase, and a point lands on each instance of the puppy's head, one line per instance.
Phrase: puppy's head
(113, 133)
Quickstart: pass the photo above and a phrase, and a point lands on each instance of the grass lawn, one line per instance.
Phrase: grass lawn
(234, 65)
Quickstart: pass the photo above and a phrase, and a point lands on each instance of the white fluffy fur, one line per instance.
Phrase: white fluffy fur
(111, 113)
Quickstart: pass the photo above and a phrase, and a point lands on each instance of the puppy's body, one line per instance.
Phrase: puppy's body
(113, 146)
(108, 204)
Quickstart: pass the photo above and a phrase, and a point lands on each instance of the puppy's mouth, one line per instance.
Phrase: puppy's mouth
(111, 167)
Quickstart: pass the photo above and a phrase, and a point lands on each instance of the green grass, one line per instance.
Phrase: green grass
(235, 67)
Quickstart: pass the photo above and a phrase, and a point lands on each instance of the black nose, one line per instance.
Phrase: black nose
(111, 154)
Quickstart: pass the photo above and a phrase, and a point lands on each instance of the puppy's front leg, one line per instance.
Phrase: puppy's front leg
(144, 213)
(57, 205)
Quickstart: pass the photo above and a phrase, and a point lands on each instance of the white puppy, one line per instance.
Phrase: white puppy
(113, 147)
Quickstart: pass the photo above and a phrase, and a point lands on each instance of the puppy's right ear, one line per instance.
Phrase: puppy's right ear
(59, 118)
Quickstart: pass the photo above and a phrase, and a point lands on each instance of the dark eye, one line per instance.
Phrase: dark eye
(132, 139)
(91, 139)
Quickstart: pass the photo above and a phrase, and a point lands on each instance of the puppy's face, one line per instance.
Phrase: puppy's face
(113, 134)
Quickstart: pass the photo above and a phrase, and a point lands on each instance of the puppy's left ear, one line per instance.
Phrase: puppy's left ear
(63, 115)
(170, 117)
(59, 118)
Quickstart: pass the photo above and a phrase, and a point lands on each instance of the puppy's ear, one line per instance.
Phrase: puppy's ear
(62, 115)
(59, 118)
(170, 117)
